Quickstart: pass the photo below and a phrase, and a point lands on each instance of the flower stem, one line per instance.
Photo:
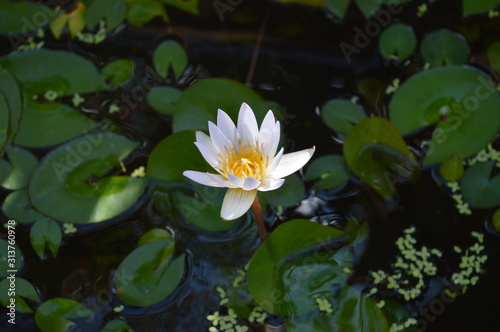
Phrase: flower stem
(258, 217)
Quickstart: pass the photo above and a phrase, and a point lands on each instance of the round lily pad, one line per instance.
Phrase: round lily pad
(163, 99)
(329, 171)
(49, 75)
(17, 206)
(45, 232)
(461, 102)
(374, 147)
(341, 115)
(170, 54)
(444, 47)
(118, 71)
(276, 271)
(55, 315)
(11, 257)
(479, 187)
(398, 42)
(22, 163)
(452, 168)
(199, 103)
(113, 12)
(494, 56)
(24, 290)
(71, 184)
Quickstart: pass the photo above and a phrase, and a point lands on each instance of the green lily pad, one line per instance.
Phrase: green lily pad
(452, 168)
(341, 115)
(289, 194)
(471, 7)
(174, 155)
(17, 206)
(23, 289)
(372, 148)
(15, 175)
(71, 184)
(495, 220)
(479, 187)
(398, 42)
(112, 11)
(338, 7)
(11, 257)
(116, 325)
(155, 234)
(55, 315)
(281, 279)
(19, 17)
(353, 311)
(494, 56)
(444, 47)
(9, 89)
(57, 73)
(329, 171)
(461, 102)
(199, 103)
(118, 71)
(143, 11)
(147, 275)
(4, 124)
(170, 54)
(203, 211)
(190, 6)
(45, 232)
(164, 99)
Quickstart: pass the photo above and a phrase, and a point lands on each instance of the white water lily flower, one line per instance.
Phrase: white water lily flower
(245, 158)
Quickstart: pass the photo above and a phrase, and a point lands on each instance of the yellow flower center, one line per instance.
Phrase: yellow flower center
(246, 161)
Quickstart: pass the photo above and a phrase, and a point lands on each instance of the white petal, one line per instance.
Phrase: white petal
(271, 184)
(204, 139)
(208, 154)
(270, 148)
(247, 124)
(274, 163)
(238, 182)
(236, 203)
(291, 163)
(226, 125)
(266, 133)
(207, 179)
(220, 142)
(250, 183)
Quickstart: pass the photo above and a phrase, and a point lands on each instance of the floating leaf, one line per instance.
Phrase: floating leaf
(398, 42)
(60, 73)
(18, 206)
(18, 17)
(163, 99)
(353, 311)
(111, 11)
(71, 184)
(116, 325)
(4, 125)
(55, 315)
(338, 7)
(118, 71)
(452, 168)
(284, 294)
(471, 7)
(444, 47)
(199, 103)
(22, 163)
(291, 193)
(460, 101)
(494, 56)
(23, 289)
(374, 147)
(330, 171)
(341, 115)
(203, 211)
(9, 90)
(190, 6)
(147, 276)
(11, 257)
(75, 20)
(161, 164)
(496, 220)
(45, 232)
(155, 234)
(143, 11)
(479, 187)
(170, 54)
